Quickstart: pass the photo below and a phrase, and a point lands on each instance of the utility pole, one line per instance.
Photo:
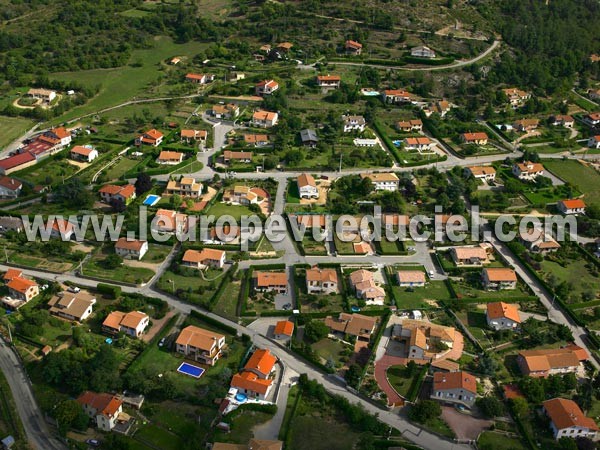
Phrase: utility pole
(5, 254)
(341, 154)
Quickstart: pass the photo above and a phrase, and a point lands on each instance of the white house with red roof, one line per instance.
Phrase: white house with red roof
(568, 420)
(131, 249)
(592, 119)
(594, 141)
(266, 87)
(125, 193)
(103, 409)
(85, 154)
(572, 206)
(329, 81)
(10, 187)
(502, 316)
(61, 229)
(151, 137)
(353, 47)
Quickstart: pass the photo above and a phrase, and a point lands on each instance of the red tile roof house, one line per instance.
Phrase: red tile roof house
(353, 47)
(594, 142)
(542, 363)
(365, 287)
(455, 388)
(410, 278)
(396, 96)
(562, 120)
(567, 419)
(169, 158)
(168, 221)
(321, 281)
(245, 157)
(254, 379)
(307, 187)
(574, 206)
(199, 78)
(61, 229)
(124, 193)
(103, 409)
(499, 278)
(418, 143)
(479, 138)
(270, 282)
(469, 255)
(132, 323)
(328, 81)
(502, 316)
(266, 87)
(592, 119)
(81, 153)
(264, 119)
(22, 289)
(284, 329)
(200, 345)
(17, 162)
(527, 170)
(131, 249)
(207, 257)
(406, 126)
(151, 137)
(10, 188)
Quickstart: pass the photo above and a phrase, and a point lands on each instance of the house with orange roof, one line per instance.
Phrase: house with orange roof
(571, 206)
(502, 316)
(131, 249)
(396, 96)
(189, 136)
(329, 81)
(21, 288)
(103, 409)
(307, 186)
(411, 278)
(362, 248)
(265, 87)
(383, 181)
(516, 97)
(264, 119)
(469, 255)
(499, 278)
(592, 119)
(132, 323)
(85, 154)
(207, 257)
(406, 126)
(11, 273)
(366, 288)
(425, 340)
(17, 162)
(478, 138)
(545, 362)
(357, 325)
(249, 384)
(594, 141)
(110, 192)
(151, 137)
(169, 157)
(526, 124)
(256, 140)
(310, 220)
(227, 111)
(244, 195)
(270, 281)
(486, 173)
(353, 48)
(418, 143)
(58, 137)
(562, 120)
(457, 388)
(567, 419)
(262, 362)
(61, 229)
(284, 329)
(233, 156)
(200, 345)
(168, 221)
(538, 241)
(321, 281)
(10, 187)
(185, 186)
(527, 170)
(199, 78)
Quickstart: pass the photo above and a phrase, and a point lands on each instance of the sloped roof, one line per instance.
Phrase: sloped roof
(566, 413)
(262, 360)
(501, 310)
(454, 380)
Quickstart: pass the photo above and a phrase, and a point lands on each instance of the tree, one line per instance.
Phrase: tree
(567, 443)
(520, 407)
(143, 184)
(74, 192)
(69, 414)
(176, 201)
(353, 375)
(117, 204)
(425, 411)
(584, 443)
(490, 406)
(112, 261)
(315, 330)
(488, 365)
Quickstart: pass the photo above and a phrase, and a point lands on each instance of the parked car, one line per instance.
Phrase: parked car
(93, 442)
(161, 342)
(73, 289)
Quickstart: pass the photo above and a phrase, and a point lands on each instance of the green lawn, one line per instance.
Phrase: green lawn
(312, 431)
(226, 306)
(156, 253)
(128, 274)
(116, 171)
(241, 422)
(416, 298)
(313, 247)
(490, 440)
(48, 171)
(400, 378)
(584, 178)
(159, 437)
(12, 128)
(576, 273)
(236, 211)
(330, 351)
(192, 284)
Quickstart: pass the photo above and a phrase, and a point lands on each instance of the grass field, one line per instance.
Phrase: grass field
(227, 304)
(124, 273)
(489, 440)
(222, 209)
(313, 431)
(400, 378)
(12, 128)
(584, 178)
(329, 350)
(576, 273)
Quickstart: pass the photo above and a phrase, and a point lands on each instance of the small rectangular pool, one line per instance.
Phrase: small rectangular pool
(152, 200)
(189, 369)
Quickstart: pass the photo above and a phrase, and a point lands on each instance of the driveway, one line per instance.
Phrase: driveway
(464, 425)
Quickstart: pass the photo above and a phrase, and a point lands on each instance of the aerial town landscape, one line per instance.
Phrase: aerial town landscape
(299, 225)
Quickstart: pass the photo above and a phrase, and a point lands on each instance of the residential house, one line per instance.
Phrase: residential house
(185, 186)
(132, 323)
(264, 119)
(228, 111)
(75, 307)
(411, 278)
(168, 221)
(199, 78)
(537, 241)
(236, 76)
(270, 282)
(502, 316)
(261, 363)
(241, 157)
(592, 119)
(542, 363)
(169, 157)
(567, 420)
(594, 141)
(469, 256)
(22, 289)
(207, 257)
(309, 138)
(526, 125)
(425, 340)
(418, 143)
(571, 206)
(61, 229)
(17, 162)
(58, 138)
(422, 52)
(284, 329)
(151, 137)
(406, 126)
(562, 120)
(307, 187)
(200, 345)
(440, 107)
(328, 81)
(190, 136)
(256, 140)
(358, 325)
(361, 142)
(10, 187)
(479, 138)
(12, 273)
(254, 379)
(395, 222)
(131, 249)
(103, 409)
(353, 48)
(110, 192)
(594, 94)
(365, 287)
(516, 97)
(387, 181)
(266, 87)
(284, 46)
(85, 154)
(486, 173)
(46, 95)
(11, 224)
(396, 96)
(241, 195)
(499, 278)
(174, 61)
(354, 123)
(459, 388)
(527, 170)
(321, 281)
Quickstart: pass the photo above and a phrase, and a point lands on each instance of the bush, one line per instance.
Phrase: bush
(109, 290)
(425, 411)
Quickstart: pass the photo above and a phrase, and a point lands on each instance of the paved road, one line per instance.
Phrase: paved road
(36, 429)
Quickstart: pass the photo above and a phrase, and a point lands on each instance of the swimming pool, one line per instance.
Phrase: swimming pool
(152, 200)
(192, 371)
(241, 397)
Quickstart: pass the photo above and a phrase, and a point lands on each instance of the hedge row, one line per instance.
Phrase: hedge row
(224, 281)
(109, 290)
(214, 322)
(375, 342)
(415, 386)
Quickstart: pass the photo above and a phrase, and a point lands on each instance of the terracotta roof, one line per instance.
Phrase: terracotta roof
(126, 244)
(544, 360)
(16, 160)
(264, 115)
(417, 141)
(12, 273)
(500, 274)
(195, 256)
(110, 189)
(328, 78)
(594, 116)
(104, 404)
(395, 219)
(360, 276)
(262, 444)
(445, 364)
(361, 248)
(193, 133)
(166, 155)
(573, 204)
(469, 252)
(454, 380)
(195, 76)
(284, 327)
(262, 360)
(501, 310)
(481, 170)
(563, 118)
(409, 123)
(321, 275)
(306, 179)
(113, 320)
(411, 276)
(529, 167)
(10, 183)
(353, 44)
(20, 284)
(255, 138)
(60, 132)
(525, 123)
(566, 413)
(81, 150)
(153, 134)
(353, 324)
(267, 279)
(133, 319)
(267, 83)
(198, 337)
(71, 304)
(581, 353)
(127, 191)
(285, 45)
(228, 154)
(311, 220)
(251, 382)
(479, 136)
(397, 93)
(379, 177)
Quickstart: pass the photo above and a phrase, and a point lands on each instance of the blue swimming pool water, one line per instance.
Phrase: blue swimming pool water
(151, 200)
(241, 397)
(192, 371)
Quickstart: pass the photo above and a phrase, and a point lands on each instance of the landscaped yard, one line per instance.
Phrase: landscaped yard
(313, 430)
(241, 422)
(97, 267)
(330, 351)
(401, 379)
(222, 209)
(191, 284)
